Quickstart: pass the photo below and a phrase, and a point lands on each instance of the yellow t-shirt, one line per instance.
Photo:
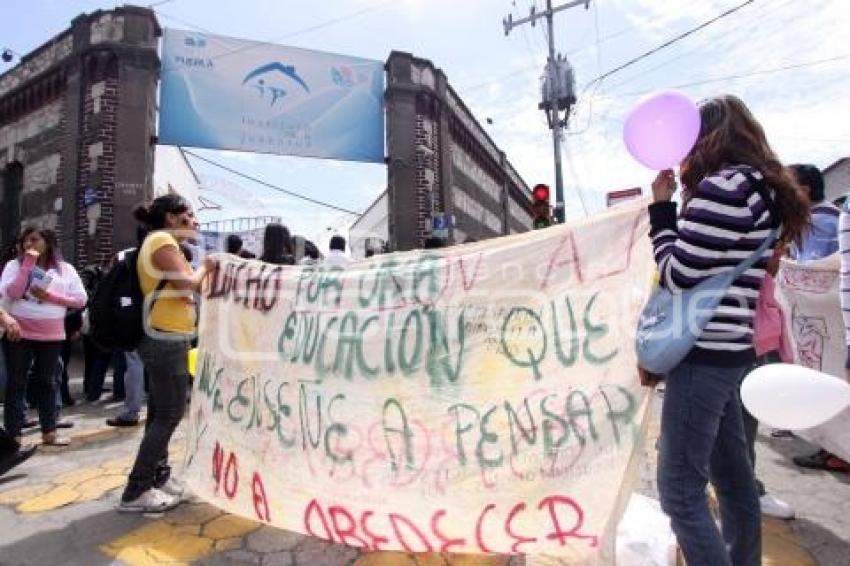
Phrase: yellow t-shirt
(170, 313)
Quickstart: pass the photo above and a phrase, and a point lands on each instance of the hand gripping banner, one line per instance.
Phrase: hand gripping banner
(475, 399)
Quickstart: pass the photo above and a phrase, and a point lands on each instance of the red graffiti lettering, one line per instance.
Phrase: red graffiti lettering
(377, 540)
(470, 283)
(447, 543)
(558, 533)
(345, 527)
(479, 528)
(509, 529)
(548, 521)
(396, 521)
(217, 465)
(231, 477)
(633, 237)
(566, 246)
(261, 503)
(313, 508)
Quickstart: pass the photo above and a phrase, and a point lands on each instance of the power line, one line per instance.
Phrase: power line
(699, 47)
(738, 76)
(667, 43)
(536, 67)
(269, 185)
(596, 82)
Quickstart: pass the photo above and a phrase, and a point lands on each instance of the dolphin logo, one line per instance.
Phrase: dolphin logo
(275, 92)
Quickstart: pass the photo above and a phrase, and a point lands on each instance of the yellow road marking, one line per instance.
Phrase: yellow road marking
(15, 496)
(57, 497)
(184, 536)
(780, 546)
(157, 543)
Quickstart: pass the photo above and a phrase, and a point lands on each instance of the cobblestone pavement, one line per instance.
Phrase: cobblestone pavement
(59, 508)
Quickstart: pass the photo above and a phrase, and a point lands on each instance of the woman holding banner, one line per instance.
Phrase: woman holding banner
(168, 284)
(736, 194)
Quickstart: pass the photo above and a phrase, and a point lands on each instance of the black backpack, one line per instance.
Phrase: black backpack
(116, 311)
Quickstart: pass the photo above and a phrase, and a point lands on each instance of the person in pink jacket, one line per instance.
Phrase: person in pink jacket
(40, 288)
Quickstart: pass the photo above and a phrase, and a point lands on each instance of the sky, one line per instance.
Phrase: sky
(789, 60)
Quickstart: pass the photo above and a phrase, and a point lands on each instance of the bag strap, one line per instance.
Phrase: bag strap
(756, 255)
(758, 185)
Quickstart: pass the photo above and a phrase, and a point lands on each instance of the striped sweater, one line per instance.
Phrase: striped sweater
(722, 224)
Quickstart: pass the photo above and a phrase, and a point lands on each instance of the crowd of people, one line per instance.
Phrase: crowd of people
(45, 315)
(736, 195)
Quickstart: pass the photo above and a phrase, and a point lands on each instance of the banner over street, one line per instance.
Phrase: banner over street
(225, 93)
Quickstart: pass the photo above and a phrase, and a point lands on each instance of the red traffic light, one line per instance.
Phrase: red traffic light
(541, 193)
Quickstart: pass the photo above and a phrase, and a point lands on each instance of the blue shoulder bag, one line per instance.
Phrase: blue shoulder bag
(671, 323)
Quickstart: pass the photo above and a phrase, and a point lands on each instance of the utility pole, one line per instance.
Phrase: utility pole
(558, 89)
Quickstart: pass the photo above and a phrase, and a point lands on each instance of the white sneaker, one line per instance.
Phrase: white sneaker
(773, 507)
(151, 501)
(173, 488)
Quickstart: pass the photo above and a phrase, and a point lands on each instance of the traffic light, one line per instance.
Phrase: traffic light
(542, 210)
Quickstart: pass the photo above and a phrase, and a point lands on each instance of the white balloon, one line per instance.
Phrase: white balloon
(793, 397)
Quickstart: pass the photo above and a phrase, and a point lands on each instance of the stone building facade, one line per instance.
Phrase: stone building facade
(77, 124)
(442, 164)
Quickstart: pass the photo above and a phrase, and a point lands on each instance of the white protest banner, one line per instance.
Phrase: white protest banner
(480, 399)
(809, 296)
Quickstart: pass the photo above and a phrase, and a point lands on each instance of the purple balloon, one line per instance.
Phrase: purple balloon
(661, 129)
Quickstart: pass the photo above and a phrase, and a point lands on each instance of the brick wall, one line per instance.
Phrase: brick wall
(429, 196)
(97, 167)
(59, 117)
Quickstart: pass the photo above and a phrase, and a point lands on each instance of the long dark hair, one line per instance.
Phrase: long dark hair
(730, 135)
(277, 245)
(153, 215)
(52, 257)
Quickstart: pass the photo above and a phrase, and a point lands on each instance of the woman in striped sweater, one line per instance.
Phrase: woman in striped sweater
(41, 287)
(735, 193)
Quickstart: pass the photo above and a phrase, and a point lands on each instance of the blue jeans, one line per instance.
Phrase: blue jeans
(134, 386)
(702, 440)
